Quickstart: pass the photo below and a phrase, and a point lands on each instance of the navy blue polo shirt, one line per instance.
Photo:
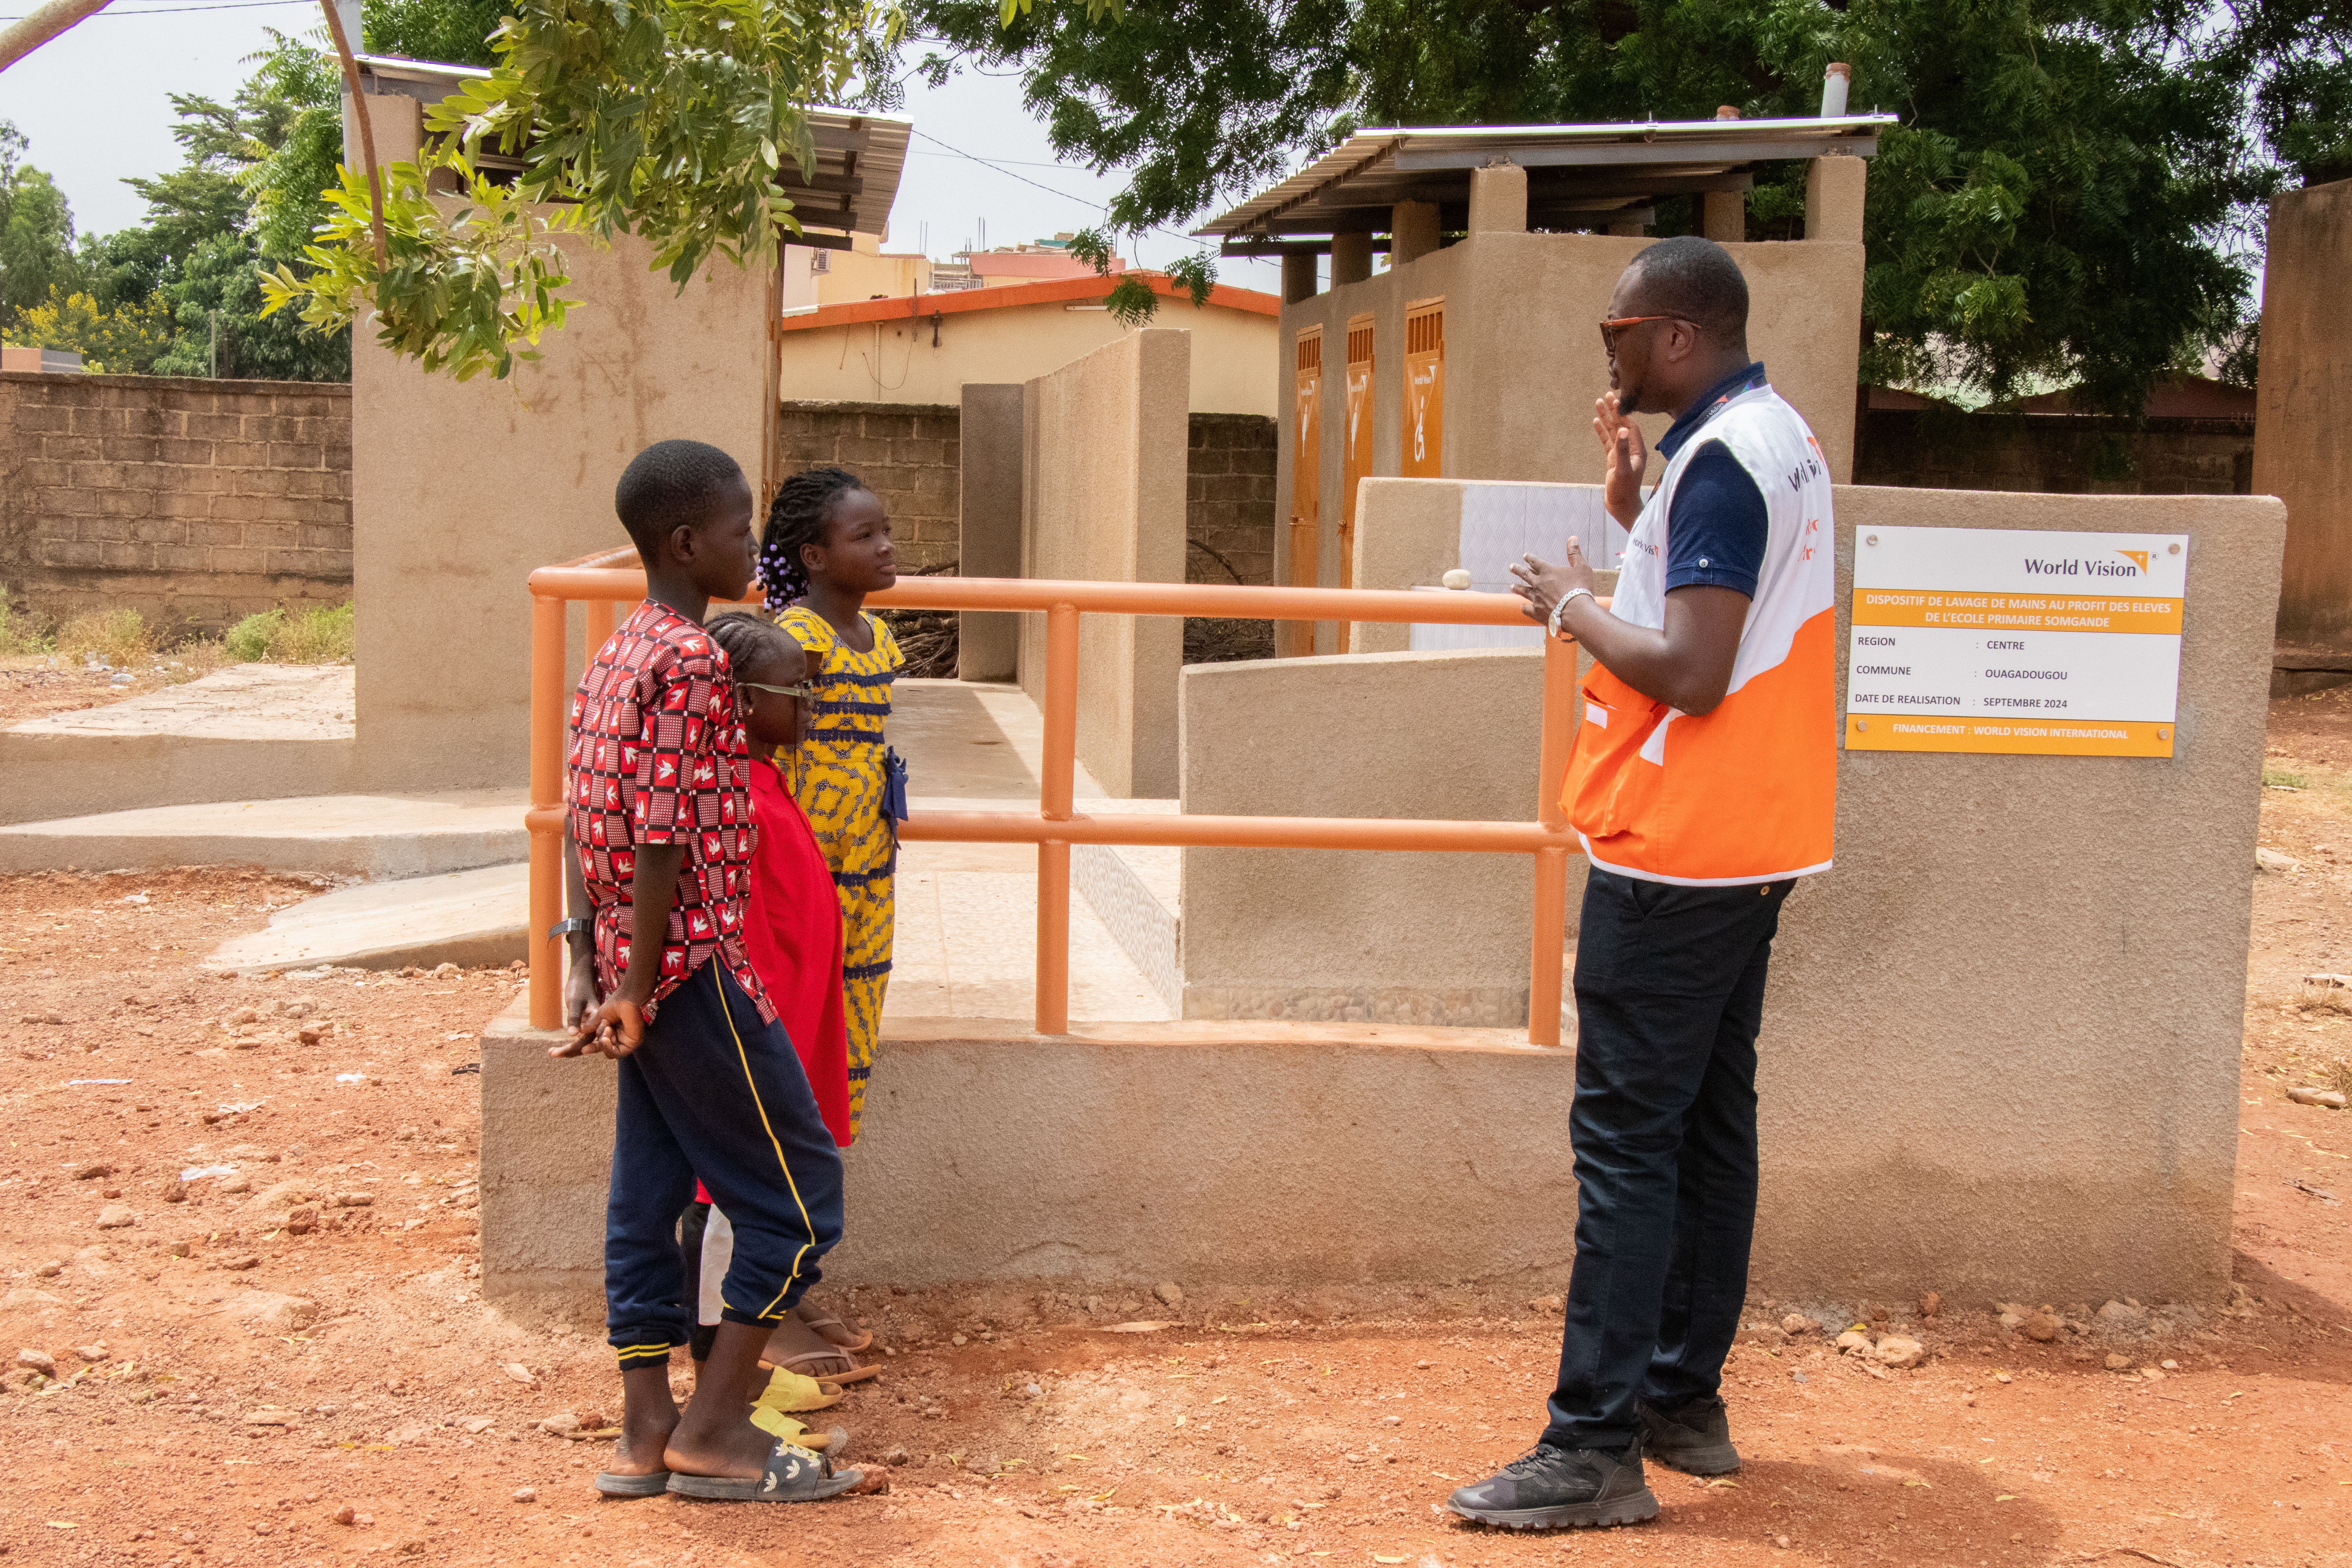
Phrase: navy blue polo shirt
(1717, 528)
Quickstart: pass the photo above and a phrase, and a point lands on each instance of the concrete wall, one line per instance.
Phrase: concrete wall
(1312, 935)
(908, 453)
(2003, 1039)
(1524, 360)
(195, 503)
(2013, 1011)
(988, 524)
(1410, 532)
(2001, 1052)
(1103, 498)
(2304, 407)
(885, 353)
(460, 490)
(2055, 454)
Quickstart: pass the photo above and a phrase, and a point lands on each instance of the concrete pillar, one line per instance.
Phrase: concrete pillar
(988, 523)
(1413, 230)
(1297, 277)
(1351, 259)
(399, 129)
(1835, 188)
(1498, 199)
(2304, 406)
(1724, 216)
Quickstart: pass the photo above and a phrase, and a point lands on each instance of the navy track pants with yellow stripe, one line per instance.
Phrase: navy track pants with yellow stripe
(713, 1092)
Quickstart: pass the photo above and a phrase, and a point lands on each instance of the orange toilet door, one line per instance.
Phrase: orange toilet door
(1357, 450)
(1424, 388)
(1306, 481)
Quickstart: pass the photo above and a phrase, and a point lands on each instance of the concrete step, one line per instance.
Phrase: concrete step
(469, 917)
(372, 835)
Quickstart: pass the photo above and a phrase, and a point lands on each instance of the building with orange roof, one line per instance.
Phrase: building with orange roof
(924, 348)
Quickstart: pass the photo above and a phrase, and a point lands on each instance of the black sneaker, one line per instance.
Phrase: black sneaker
(1695, 1438)
(1559, 1489)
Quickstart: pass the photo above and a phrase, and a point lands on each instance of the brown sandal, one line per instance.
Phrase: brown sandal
(831, 1379)
(834, 1332)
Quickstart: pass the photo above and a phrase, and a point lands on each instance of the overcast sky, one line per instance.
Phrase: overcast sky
(95, 105)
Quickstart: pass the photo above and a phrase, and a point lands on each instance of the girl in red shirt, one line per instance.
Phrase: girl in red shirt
(792, 928)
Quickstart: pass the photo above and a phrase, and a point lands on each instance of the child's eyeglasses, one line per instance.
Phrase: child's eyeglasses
(805, 690)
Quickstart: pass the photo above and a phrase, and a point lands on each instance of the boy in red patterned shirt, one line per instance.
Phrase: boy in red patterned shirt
(658, 780)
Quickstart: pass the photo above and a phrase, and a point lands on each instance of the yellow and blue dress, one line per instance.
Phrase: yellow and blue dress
(837, 777)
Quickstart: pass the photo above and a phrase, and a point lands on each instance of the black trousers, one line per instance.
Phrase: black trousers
(1669, 997)
(714, 1093)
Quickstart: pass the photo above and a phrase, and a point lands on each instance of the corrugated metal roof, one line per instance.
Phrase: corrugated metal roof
(1577, 175)
(859, 157)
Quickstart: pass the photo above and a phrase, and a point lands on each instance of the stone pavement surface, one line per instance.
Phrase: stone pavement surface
(370, 836)
(467, 918)
(243, 702)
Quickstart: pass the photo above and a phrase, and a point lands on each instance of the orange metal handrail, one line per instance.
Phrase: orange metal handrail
(604, 580)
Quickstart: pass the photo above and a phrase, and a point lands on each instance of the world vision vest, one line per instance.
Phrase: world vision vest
(1746, 793)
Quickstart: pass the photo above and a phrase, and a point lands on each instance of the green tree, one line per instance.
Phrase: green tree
(669, 119)
(285, 139)
(246, 196)
(221, 288)
(124, 341)
(36, 234)
(455, 32)
(2069, 194)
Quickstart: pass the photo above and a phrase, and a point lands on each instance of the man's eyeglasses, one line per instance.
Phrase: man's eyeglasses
(805, 691)
(1609, 328)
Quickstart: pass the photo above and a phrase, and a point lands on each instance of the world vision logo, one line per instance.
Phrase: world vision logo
(2078, 567)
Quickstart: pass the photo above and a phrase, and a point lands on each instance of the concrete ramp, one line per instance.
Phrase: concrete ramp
(372, 835)
(467, 918)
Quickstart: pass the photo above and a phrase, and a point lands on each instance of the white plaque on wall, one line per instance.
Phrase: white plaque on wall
(1970, 639)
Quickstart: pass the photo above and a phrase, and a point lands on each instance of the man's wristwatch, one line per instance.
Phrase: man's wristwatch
(566, 928)
(1551, 626)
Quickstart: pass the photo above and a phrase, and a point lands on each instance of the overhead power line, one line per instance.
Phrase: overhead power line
(111, 14)
(989, 164)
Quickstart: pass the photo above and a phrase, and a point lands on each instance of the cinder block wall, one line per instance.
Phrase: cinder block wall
(195, 502)
(1229, 498)
(910, 453)
(906, 452)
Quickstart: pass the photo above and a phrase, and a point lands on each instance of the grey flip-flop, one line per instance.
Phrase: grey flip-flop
(794, 1475)
(651, 1484)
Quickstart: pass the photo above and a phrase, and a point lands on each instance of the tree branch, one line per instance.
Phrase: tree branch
(46, 23)
(367, 125)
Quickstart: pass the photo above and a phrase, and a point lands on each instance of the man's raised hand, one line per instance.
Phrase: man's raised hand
(1625, 458)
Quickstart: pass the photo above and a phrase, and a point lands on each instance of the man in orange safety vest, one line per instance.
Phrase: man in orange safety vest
(1703, 785)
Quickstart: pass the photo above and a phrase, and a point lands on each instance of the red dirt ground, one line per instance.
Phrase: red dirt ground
(1317, 1429)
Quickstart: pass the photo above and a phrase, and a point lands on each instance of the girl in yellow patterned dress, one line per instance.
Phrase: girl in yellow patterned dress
(826, 546)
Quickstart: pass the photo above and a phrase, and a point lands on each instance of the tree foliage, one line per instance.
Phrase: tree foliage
(454, 32)
(182, 292)
(669, 119)
(2071, 194)
(128, 337)
(36, 232)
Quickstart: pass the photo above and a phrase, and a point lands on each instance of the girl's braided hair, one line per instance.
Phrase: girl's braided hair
(746, 638)
(798, 517)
